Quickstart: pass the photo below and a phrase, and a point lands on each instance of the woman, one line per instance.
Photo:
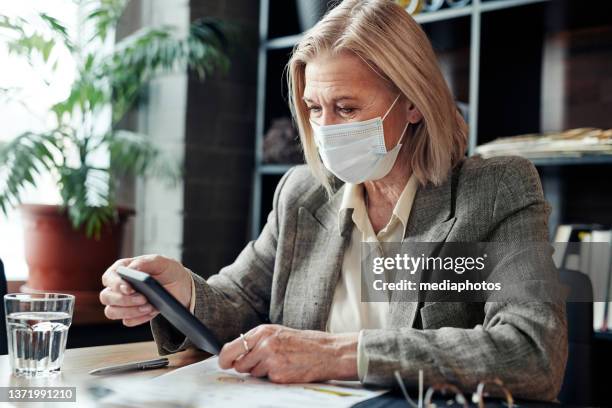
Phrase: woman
(373, 111)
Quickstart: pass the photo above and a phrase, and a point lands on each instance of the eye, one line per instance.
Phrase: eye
(313, 108)
(346, 110)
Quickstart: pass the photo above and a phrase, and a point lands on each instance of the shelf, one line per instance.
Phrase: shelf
(551, 161)
(444, 14)
(599, 335)
(422, 18)
(274, 169)
(483, 53)
(505, 4)
(283, 42)
(572, 161)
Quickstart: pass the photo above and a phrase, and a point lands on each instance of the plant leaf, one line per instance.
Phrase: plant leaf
(23, 158)
(152, 51)
(104, 16)
(134, 154)
(59, 29)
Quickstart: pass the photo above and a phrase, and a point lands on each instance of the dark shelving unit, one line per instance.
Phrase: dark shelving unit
(492, 55)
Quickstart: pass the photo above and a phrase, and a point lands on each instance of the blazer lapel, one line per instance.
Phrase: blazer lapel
(321, 240)
(430, 222)
(431, 215)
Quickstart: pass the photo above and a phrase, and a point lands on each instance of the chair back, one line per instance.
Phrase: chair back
(576, 387)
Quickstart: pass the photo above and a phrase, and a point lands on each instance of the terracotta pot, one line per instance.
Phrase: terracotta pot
(62, 259)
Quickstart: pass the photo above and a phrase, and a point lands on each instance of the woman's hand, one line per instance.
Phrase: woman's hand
(289, 356)
(122, 302)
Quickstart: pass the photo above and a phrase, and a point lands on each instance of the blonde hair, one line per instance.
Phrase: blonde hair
(388, 39)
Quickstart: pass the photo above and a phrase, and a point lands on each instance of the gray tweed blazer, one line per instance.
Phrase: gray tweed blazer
(288, 276)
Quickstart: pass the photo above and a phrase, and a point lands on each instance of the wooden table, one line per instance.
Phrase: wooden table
(78, 362)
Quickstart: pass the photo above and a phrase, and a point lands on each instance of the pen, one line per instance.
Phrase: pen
(137, 365)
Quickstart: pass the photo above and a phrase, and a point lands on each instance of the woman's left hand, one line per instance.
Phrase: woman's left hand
(288, 355)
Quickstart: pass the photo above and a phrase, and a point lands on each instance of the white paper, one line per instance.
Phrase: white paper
(228, 388)
(129, 392)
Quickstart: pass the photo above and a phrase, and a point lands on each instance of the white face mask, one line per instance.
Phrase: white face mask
(355, 152)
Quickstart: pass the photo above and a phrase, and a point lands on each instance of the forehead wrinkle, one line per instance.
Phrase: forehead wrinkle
(328, 79)
(332, 91)
(347, 79)
(345, 68)
(328, 90)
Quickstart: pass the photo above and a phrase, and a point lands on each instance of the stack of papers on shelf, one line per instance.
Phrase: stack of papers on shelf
(205, 384)
(570, 143)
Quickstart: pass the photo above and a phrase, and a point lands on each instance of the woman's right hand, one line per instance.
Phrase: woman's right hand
(122, 302)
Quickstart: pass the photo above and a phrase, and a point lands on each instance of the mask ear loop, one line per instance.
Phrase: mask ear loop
(407, 123)
(403, 134)
(392, 105)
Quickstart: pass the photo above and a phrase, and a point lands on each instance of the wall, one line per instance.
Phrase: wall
(577, 55)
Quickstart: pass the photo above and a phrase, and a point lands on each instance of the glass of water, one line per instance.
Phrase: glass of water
(37, 329)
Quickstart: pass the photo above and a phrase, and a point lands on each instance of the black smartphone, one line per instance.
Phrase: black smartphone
(171, 309)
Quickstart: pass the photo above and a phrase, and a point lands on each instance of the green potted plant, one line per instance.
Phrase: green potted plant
(68, 246)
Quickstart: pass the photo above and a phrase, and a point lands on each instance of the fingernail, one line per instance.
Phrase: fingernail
(125, 289)
(145, 308)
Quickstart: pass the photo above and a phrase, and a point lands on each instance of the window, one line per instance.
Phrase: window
(28, 83)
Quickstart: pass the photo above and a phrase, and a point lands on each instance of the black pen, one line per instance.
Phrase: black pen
(137, 365)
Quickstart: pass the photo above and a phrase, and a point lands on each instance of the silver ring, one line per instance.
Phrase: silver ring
(244, 343)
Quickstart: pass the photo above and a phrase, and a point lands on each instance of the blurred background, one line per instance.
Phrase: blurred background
(161, 126)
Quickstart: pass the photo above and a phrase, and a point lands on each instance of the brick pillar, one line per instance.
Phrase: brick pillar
(219, 143)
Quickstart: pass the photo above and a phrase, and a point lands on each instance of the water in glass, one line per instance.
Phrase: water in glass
(37, 330)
